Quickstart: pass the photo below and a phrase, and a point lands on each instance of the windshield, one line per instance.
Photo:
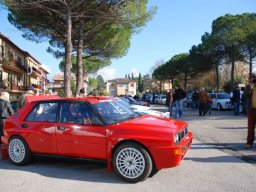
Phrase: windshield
(114, 111)
(223, 96)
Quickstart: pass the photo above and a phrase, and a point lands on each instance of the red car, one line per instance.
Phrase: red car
(135, 146)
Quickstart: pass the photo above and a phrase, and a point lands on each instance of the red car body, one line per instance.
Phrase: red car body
(155, 135)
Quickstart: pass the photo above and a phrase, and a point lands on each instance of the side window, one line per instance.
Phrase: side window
(43, 112)
(212, 96)
(77, 113)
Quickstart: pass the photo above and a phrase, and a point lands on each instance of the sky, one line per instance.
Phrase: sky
(174, 29)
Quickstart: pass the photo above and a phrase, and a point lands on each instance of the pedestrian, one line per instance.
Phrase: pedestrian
(179, 95)
(235, 97)
(250, 94)
(22, 99)
(203, 102)
(170, 100)
(195, 98)
(153, 98)
(82, 92)
(243, 100)
(5, 110)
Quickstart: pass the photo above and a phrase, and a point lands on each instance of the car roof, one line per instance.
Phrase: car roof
(91, 99)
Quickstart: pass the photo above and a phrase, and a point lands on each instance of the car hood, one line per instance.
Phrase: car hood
(148, 122)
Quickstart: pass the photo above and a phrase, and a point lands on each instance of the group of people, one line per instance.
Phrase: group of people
(200, 97)
(203, 102)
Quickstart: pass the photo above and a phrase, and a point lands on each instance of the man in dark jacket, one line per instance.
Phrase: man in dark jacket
(179, 95)
(236, 99)
(5, 110)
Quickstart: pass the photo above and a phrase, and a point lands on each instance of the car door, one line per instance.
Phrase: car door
(40, 124)
(79, 132)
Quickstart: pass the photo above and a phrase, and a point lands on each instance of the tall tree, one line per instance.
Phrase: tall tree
(228, 33)
(248, 48)
(140, 84)
(56, 20)
(101, 84)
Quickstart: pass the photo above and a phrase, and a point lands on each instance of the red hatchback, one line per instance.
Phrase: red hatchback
(136, 146)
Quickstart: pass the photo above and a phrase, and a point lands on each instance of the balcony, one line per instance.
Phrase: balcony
(36, 72)
(15, 66)
(36, 86)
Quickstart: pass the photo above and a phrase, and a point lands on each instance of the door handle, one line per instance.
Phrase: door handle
(62, 128)
(24, 125)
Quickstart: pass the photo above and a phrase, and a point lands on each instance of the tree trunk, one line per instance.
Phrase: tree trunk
(185, 80)
(250, 61)
(232, 72)
(79, 75)
(216, 66)
(68, 54)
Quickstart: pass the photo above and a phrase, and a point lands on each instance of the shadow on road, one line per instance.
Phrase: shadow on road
(225, 147)
(66, 169)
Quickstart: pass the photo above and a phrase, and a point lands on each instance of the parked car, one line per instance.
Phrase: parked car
(99, 128)
(144, 109)
(188, 102)
(135, 102)
(161, 99)
(220, 101)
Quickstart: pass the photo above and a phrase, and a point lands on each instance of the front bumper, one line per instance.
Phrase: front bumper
(171, 156)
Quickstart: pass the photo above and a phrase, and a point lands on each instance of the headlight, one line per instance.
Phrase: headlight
(176, 138)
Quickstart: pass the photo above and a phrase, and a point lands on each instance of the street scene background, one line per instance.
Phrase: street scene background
(217, 161)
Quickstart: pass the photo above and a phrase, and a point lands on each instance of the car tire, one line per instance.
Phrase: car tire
(18, 151)
(132, 162)
(219, 107)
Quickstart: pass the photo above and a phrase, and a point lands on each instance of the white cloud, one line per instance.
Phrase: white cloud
(135, 72)
(107, 73)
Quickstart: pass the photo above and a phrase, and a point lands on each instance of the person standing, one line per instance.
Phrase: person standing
(22, 99)
(5, 111)
(250, 94)
(179, 95)
(195, 98)
(82, 92)
(203, 102)
(236, 99)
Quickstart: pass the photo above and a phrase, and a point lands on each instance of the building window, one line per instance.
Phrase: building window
(9, 80)
(10, 55)
(19, 60)
(112, 85)
(1, 75)
(132, 84)
(2, 53)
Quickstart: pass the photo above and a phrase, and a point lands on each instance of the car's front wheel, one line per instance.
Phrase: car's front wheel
(19, 151)
(132, 162)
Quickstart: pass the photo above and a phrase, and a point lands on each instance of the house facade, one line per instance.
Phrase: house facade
(117, 87)
(58, 83)
(18, 69)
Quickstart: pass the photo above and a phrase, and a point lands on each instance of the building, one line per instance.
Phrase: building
(120, 86)
(58, 83)
(18, 69)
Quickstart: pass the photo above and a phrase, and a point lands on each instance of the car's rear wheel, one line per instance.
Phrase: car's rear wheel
(219, 107)
(19, 151)
(132, 162)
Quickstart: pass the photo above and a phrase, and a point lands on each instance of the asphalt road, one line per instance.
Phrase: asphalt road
(208, 166)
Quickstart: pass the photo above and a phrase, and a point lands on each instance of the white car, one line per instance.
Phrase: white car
(144, 109)
(220, 101)
(160, 99)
